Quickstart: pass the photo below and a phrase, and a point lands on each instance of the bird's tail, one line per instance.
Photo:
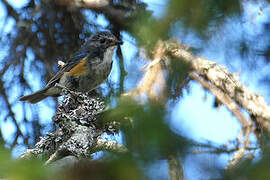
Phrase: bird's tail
(35, 97)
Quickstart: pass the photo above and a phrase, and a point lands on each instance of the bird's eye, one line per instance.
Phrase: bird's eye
(102, 41)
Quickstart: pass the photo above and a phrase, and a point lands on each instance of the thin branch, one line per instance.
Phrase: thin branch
(123, 72)
(175, 168)
(239, 155)
(220, 150)
(84, 3)
(10, 10)
(228, 83)
(12, 114)
(224, 149)
(119, 14)
(110, 146)
(153, 77)
(223, 98)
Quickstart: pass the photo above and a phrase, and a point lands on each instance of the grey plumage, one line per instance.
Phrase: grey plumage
(85, 70)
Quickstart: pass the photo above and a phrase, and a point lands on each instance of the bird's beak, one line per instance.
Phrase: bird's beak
(119, 42)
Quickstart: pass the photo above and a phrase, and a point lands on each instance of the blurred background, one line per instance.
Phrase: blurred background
(35, 34)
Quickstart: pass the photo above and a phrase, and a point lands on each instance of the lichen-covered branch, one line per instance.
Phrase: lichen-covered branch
(78, 129)
(227, 82)
(227, 88)
(110, 146)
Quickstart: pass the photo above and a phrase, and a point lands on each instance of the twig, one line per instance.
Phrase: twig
(223, 98)
(153, 76)
(110, 146)
(119, 14)
(12, 114)
(11, 11)
(123, 72)
(239, 155)
(175, 168)
(85, 3)
(218, 150)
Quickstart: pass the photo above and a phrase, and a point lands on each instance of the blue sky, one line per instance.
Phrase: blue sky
(194, 114)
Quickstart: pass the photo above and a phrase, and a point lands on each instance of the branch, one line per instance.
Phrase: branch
(12, 115)
(153, 77)
(228, 83)
(110, 146)
(78, 132)
(11, 11)
(223, 98)
(225, 87)
(239, 155)
(223, 149)
(175, 168)
(119, 14)
(84, 3)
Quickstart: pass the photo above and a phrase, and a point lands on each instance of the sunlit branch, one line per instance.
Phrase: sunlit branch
(110, 146)
(153, 82)
(228, 83)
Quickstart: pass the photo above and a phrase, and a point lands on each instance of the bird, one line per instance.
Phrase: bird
(85, 69)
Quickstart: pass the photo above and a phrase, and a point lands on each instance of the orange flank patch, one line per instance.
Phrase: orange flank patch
(79, 69)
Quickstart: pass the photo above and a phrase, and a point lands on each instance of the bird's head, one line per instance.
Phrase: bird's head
(103, 40)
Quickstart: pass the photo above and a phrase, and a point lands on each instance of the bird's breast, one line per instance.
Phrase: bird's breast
(103, 70)
(108, 54)
(87, 76)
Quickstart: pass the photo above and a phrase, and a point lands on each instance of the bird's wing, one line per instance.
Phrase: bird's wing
(79, 56)
(94, 55)
(74, 60)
